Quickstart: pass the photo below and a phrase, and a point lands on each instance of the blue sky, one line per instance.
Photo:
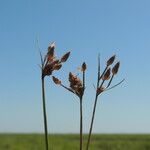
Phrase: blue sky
(86, 28)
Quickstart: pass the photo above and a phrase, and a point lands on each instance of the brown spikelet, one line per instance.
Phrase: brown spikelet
(57, 66)
(100, 90)
(106, 76)
(115, 68)
(50, 58)
(111, 60)
(71, 77)
(51, 50)
(65, 57)
(56, 80)
(84, 67)
(47, 70)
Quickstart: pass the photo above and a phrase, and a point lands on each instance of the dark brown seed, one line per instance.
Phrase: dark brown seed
(111, 60)
(56, 80)
(115, 68)
(65, 57)
(106, 76)
(84, 66)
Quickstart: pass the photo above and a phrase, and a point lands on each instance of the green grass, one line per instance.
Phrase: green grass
(71, 142)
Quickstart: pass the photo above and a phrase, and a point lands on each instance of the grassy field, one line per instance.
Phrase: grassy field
(71, 142)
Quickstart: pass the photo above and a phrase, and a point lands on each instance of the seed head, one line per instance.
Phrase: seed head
(111, 60)
(50, 63)
(115, 68)
(76, 84)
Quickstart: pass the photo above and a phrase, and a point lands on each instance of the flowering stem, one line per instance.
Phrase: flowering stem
(81, 125)
(44, 114)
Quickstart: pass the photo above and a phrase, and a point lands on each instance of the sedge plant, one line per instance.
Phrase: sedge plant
(49, 64)
(105, 77)
(77, 87)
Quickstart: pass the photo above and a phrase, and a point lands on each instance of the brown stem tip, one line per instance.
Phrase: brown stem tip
(84, 67)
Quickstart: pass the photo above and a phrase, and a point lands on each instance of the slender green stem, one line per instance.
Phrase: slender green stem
(81, 125)
(44, 115)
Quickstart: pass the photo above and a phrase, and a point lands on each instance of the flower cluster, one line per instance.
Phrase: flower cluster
(76, 85)
(108, 74)
(51, 63)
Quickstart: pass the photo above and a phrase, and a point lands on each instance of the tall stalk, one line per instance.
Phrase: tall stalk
(77, 87)
(44, 114)
(48, 65)
(81, 125)
(105, 76)
(81, 109)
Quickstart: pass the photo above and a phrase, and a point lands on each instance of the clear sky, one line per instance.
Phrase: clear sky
(86, 27)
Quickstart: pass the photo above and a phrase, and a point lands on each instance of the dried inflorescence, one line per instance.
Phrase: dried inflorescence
(51, 63)
(48, 65)
(108, 74)
(76, 84)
